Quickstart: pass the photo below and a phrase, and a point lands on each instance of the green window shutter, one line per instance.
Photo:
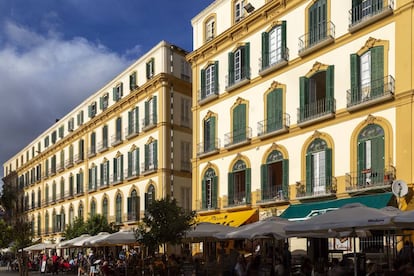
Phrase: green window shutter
(377, 156)
(146, 156)
(101, 103)
(284, 47)
(146, 200)
(203, 194)
(377, 71)
(264, 185)
(114, 94)
(285, 178)
(133, 81)
(361, 158)
(146, 119)
(95, 172)
(330, 84)
(246, 64)
(203, 83)
(90, 179)
(129, 207)
(231, 68)
(121, 88)
(216, 76)
(154, 102)
(239, 123)
(265, 50)
(230, 188)
(130, 163)
(355, 79)
(89, 114)
(148, 70)
(309, 173)
(137, 161)
(93, 141)
(115, 170)
(155, 154)
(328, 168)
(214, 192)
(107, 170)
(136, 109)
(121, 173)
(212, 138)
(101, 173)
(303, 90)
(248, 185)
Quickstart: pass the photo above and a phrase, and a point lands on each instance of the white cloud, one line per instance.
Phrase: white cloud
(43, 77)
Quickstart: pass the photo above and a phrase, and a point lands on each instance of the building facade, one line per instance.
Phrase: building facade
(123, 147)
(300, 107)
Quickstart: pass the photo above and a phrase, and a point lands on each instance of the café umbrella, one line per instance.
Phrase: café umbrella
(351, 217)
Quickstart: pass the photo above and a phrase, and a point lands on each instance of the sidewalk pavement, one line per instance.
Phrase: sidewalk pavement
(5, 272)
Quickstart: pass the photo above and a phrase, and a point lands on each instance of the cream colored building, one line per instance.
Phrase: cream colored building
(300, 107)
(124, 146)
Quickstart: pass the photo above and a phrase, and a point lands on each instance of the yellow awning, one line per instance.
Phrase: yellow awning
(234, 219)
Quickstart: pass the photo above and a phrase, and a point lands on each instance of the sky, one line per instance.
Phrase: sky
(56, 53)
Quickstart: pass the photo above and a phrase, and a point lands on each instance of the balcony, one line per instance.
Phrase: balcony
(69, 163)
(103, 146)
(320, 187)
(239, 199)
(116, 179)
(207, 94)
(273, 60)
(207, 206)
(92, 151)
(131, 173)
(103, 183)
(369, 179)
(208, 148)
(274, 126)
(132, 216)
(316, 38)
(78, 158)
(60, 167)
(237, 138)
(116, 139)
(149, 122)
(367, 12)
(148, 168)
(237, 78)
(274, 194)
(132, 131)
(320, 110)
(92, 187)
(377, 91)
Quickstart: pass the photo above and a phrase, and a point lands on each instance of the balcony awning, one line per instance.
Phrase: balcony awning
(234, 219)
(307, 210)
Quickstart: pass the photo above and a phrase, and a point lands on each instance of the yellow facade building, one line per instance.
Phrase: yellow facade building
(300, 107)
(124, 146)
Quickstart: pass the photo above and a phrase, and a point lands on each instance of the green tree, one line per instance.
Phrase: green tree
(164, 222)
(6, 234)
(92, 226)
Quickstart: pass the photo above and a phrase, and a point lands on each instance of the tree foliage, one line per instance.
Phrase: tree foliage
(94, 225)
(164, 222)
(6, 234)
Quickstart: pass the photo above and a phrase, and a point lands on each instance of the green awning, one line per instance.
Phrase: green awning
(306, 210)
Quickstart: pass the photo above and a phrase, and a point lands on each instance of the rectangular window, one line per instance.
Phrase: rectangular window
(104, 101)
(92, 110)
(71, 124)
(319, 178)
(365, 65)
(61, 131)
(150, 69)
(117, 92)
(80, 117)
(133, 81)
(210, 29)
(54, 136)
(210, 80)
(185, 111)
(46, 141)
(238, 11)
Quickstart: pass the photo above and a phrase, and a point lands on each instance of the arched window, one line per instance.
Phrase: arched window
(274, 177)
(105, 208)
(239, 185)
(118, 208)
(47, 223)
(133, 206)
(150, 196)
(318, 168)
(371, 161)
(209, 190)
(93, 208)
(80, 211)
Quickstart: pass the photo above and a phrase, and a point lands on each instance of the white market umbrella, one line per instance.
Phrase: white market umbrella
(40, 247)
(92, 239)
(404, 220)
(122, 237)
(351, 217)
(71, 243)
(270, 227)
(206, 230)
